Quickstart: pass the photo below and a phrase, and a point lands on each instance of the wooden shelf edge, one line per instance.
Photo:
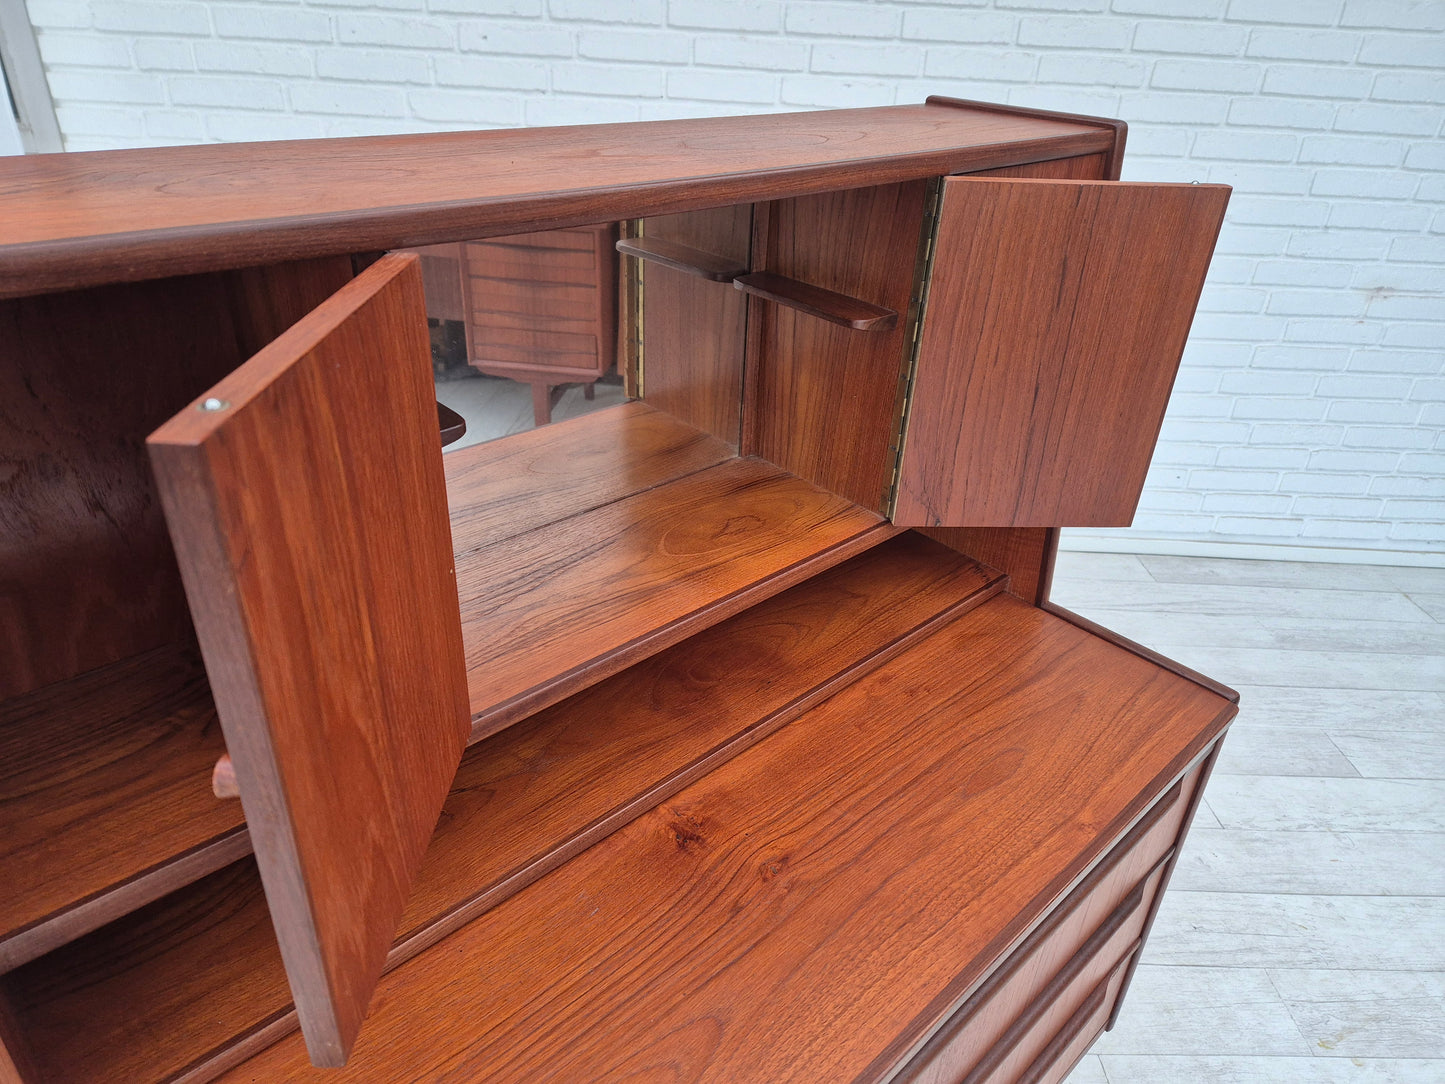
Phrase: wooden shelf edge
(1143, 652)
(62, 927)
(684, 258)
(826, 305)
(492, 718)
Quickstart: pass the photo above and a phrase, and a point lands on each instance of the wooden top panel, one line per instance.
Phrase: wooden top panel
(78, 219)
(811, 909)
(309, 516)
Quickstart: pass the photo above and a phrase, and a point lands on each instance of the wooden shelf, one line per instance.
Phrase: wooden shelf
(625, 553)
(506, 487)
(105, 801)
(175, 985)
(849, 879)
(685, 258)
(815, 301)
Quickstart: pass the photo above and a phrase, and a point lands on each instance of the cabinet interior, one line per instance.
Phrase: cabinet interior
(645, 592)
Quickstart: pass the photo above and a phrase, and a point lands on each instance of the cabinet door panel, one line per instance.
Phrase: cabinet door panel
(1056, 317)
(306, 499)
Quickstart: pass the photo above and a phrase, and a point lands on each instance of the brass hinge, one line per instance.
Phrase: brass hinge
(917, 307)
(632, 368)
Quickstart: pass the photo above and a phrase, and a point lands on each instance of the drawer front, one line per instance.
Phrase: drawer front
(984, 1018)
(1079, 1032)
(1067, 994)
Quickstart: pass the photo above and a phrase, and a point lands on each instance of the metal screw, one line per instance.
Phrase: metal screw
(213, 405)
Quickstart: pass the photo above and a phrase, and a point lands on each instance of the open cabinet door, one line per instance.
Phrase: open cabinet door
(1056, 316)
(308, 507)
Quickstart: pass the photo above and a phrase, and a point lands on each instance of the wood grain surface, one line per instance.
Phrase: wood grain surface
(821, 897)
(309, 514)
(822, 397)
(507, 487)
(1025, 553)
(693, 337)
(143, 997)
(835, 308)
(1040, 387)
(81, 219)
(103, 798)
(87, 573)
(177, 986)
(981, 1021)
(1118, 130)
(560, 607)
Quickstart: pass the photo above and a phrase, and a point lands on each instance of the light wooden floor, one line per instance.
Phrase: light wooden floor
(1303, 937)
(495, 407)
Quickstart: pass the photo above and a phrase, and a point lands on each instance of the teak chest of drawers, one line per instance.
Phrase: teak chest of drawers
(728, 734)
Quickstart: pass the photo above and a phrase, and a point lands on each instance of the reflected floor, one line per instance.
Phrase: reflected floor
(496, 407)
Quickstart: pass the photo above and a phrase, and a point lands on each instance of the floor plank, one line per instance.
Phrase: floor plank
(1215, 1069)
(1208, 1010)
(1338, 805)
(1403, 755)
(1310, 574)
(1370, 933)
(1343, 605)
(1433, 603)
(1320, 669)
(1387, 863)
(1075, 565)
(1366, 1014)
(1335, 884)
(1269, 750)
(1353, 710)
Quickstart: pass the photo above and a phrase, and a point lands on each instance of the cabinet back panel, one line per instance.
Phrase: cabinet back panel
(87, 573)
(823, 396)
(692, 328)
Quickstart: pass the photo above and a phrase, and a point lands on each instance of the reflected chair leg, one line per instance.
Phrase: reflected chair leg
(541, 404)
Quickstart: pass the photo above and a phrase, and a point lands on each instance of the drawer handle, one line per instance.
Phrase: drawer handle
(1060, 982)
(1071, 1030)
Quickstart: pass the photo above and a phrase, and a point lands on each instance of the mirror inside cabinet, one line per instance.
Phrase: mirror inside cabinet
(523, 330)
(533, 328)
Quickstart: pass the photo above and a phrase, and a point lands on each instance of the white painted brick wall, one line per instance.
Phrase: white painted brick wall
(1310, 411)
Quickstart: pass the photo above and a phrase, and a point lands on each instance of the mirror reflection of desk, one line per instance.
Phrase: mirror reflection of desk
(540, 308)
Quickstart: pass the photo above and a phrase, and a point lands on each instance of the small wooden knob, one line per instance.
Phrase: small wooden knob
(223, 778)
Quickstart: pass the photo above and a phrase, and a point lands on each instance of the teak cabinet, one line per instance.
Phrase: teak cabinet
(727, 734)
